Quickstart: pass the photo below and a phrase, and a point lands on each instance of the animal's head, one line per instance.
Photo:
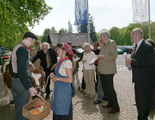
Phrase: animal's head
(31, 66)
(37, 78)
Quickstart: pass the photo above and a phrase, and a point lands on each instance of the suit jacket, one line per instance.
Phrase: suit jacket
(107, 65)
(33, 52)
(143, 65)
(53, 56)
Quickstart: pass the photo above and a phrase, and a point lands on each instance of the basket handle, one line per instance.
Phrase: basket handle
(39, 97)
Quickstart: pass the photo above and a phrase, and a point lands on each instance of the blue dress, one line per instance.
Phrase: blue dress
(62, 95)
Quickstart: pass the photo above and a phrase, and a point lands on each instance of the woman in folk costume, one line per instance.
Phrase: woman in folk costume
(62, 103)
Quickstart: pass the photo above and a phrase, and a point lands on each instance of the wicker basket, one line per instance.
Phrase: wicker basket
(32, 103)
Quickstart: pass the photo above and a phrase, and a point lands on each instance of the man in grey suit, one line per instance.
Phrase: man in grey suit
(107, 70)
(142, 63)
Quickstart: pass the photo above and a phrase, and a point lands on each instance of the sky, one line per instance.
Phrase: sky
(106, 14)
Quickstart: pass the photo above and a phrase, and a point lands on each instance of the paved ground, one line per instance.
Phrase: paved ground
(83, 107)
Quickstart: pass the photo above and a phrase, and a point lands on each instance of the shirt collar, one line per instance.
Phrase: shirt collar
(105, 43)
(139, 43)
(24, 44)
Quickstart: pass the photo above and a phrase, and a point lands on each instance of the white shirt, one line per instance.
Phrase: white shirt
(65, 64)
(139, 43)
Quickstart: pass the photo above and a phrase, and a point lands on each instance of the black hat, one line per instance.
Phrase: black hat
(30, 34)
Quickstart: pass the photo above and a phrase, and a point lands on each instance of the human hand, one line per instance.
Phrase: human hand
(54, 65)
(54, 78)
(100, 56)
(128, 62)
(83, 60)
(33, 91)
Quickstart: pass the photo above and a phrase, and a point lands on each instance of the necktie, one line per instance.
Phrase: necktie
(47, 60)
(135, 48)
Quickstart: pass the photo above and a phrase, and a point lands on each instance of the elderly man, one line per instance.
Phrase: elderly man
(33, 52)
(107, 70)
(48, 58)
(142, 63)
(19, 69)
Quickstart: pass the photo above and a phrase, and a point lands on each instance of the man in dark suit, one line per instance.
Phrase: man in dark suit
(142, 63)
(48, 58)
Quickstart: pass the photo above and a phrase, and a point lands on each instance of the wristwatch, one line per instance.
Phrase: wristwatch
(58, 79)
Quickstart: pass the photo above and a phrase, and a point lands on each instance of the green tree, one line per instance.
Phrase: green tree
(16, 15)
(92, 29)
(63, 30)
(82, 28)
(153, 31)
(53, 30)
(45, 35)
(115, 34)
(70, 29)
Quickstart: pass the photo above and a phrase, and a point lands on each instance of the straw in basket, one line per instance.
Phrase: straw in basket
(32, 103)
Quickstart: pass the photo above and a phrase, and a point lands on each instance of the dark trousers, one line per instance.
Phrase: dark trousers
(21, 97)
(64, 117)
(109, 91)
(83, 85)
(143, 102)
(96, 82)
(73, 92)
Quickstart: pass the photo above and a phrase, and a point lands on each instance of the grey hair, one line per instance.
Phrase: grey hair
(87, 46)
(104, 33)
(37, 42)
(45, 43)
(138, 31)
(83, 44)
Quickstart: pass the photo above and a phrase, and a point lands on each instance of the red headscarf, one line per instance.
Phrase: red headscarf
(68, 49)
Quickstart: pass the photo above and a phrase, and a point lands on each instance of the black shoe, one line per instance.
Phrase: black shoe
(47, 97)
(78, 88)
(81, 90)
(12, 102)
(97, 102)
(104, 99)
